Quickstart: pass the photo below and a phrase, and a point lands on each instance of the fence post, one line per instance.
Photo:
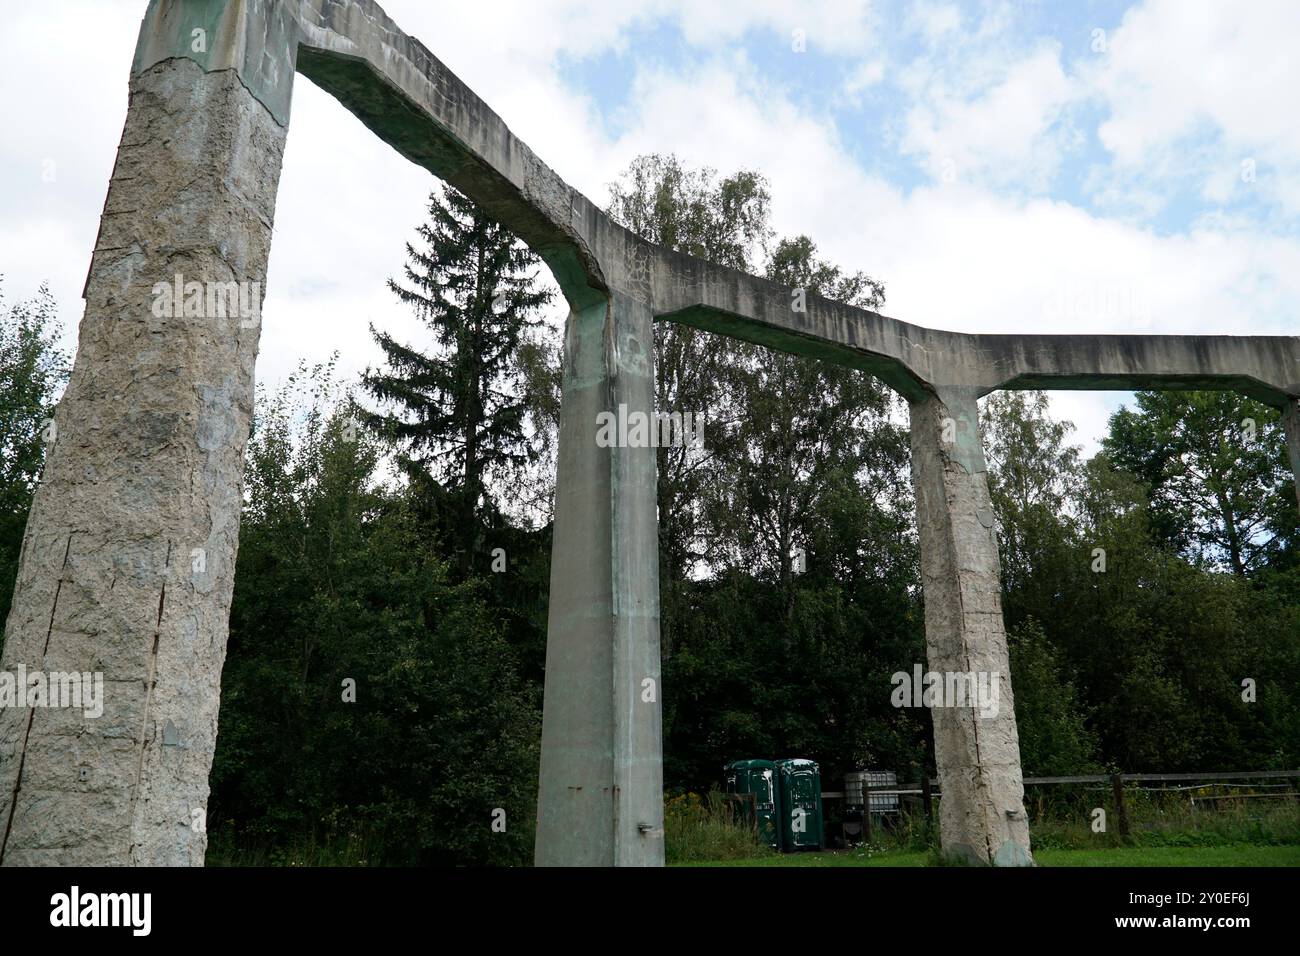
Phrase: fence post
(1121, 811)
(866, 812)
(926, 799)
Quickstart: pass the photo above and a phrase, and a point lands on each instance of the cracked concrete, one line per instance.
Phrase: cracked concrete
(981, 816)
(132, 485)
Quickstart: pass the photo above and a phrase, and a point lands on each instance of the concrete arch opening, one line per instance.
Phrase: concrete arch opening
(147, 470)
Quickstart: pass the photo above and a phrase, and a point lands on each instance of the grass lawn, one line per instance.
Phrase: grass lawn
(1238, 855)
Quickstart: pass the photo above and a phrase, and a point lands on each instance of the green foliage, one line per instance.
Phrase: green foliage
(1165, 818)
(354, 848)
(725, 221)
(748, 681)
(698, 828)
(345, 581)
(33, 370)
(766, 654)
(1143, 637)
(1141, 588)
(1217, 856)
(814, 450)
(690, 210)
(336, 586)
(1215, 468)
(1054, 736)
(1033, 472)
(475, 406)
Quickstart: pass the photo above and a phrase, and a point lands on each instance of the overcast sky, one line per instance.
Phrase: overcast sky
(1003, 167)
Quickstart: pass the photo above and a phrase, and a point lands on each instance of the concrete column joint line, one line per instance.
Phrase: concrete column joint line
(951, 532)
(148, 699)
(31, 717)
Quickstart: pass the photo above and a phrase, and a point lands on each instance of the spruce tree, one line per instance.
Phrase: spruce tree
(460, 412)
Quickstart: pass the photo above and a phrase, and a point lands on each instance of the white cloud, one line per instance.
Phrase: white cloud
(838, 26)
(1224, 75)
(864, 76)
(1003, 134)
(934, 21)
(64, 74)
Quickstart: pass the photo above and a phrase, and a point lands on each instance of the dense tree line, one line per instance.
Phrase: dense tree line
(387, 638)
(1156, 602)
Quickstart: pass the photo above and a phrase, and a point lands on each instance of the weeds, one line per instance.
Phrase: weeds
(707, 828)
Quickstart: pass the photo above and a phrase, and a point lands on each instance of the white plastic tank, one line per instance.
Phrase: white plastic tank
(855, 780)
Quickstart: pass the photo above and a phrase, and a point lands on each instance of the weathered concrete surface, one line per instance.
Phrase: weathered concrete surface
(257, 39)
(981, 814)
(128, 560)
(910, 358)
(600, 793)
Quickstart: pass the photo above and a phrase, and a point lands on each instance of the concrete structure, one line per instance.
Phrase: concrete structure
(128, 560)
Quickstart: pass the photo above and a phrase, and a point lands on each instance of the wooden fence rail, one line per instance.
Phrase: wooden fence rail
(928, 789)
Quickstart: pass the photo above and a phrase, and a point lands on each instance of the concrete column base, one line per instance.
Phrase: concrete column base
(982, 817)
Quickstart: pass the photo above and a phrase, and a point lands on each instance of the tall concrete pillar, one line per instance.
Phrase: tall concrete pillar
(1291, 422)
(600, 793)
(977, 751)
(128, 560)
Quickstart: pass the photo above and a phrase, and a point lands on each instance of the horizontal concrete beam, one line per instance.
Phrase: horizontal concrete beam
(911, 357)
(432, 118)
(407, 97)
(1265, 367)
(411, 100)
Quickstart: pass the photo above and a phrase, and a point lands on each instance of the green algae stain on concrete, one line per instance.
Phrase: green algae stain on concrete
(258, 39)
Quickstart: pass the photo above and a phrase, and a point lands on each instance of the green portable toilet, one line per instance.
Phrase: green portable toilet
(799, 796)
(755, 782)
